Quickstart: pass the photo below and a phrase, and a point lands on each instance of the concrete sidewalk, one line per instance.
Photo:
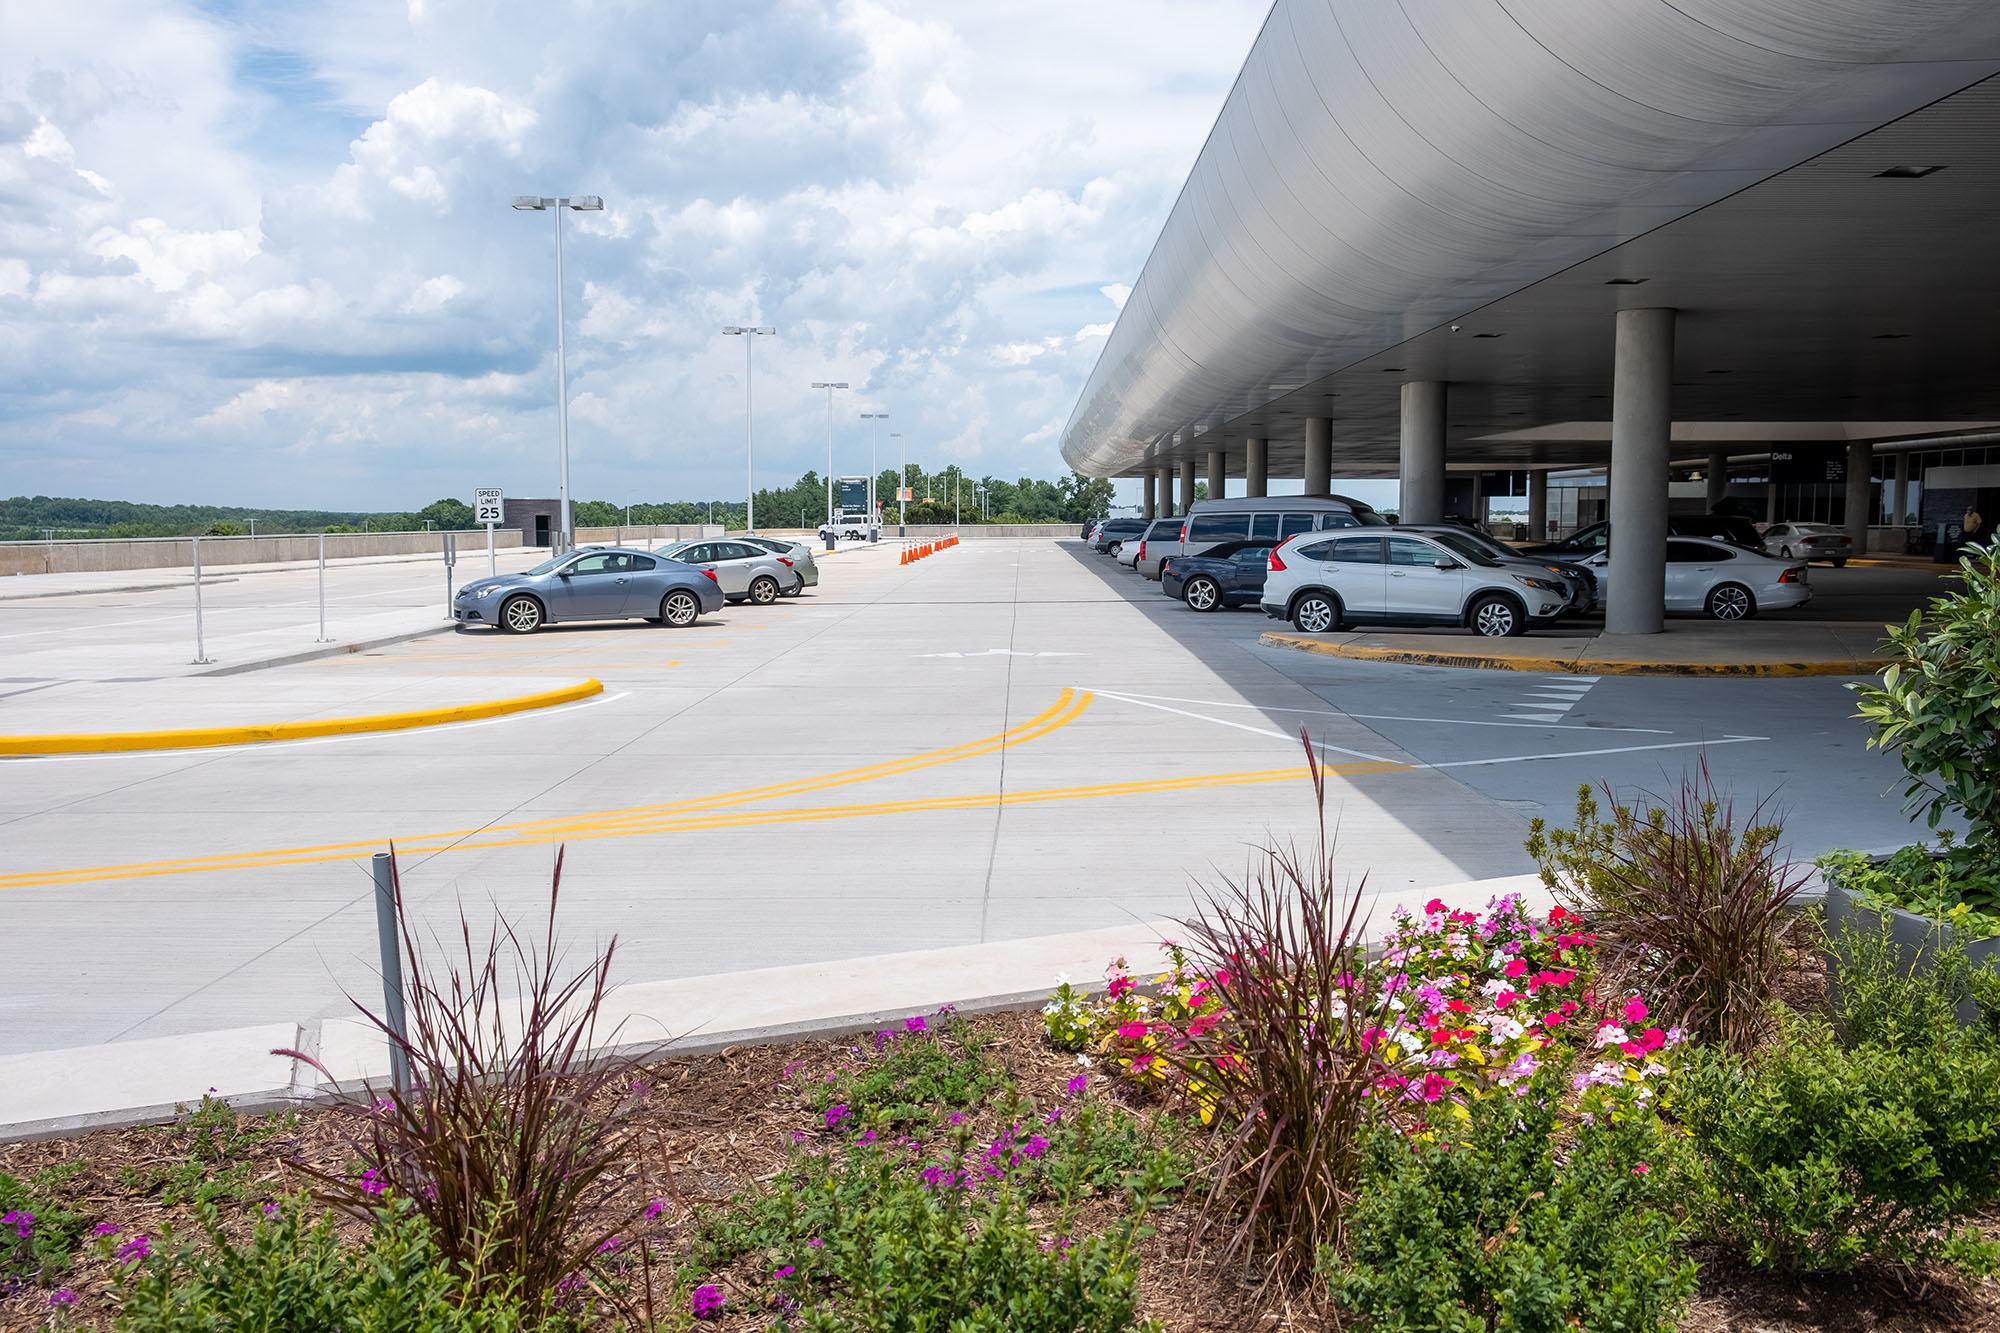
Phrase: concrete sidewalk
(1686, 648)
(48, 1093)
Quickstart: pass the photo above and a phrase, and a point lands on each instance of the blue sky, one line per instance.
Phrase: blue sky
(262, 254)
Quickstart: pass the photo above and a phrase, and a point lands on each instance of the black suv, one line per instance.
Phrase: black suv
(1117, 530)
(1588, 541)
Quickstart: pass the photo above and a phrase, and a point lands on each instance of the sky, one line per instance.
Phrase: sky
(263, 254)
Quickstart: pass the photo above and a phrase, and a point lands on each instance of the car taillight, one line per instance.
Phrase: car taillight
(1791, 575)
(1183, 534)
(1273, 564)
(785, 562)
(711, 576)
(1142, 550)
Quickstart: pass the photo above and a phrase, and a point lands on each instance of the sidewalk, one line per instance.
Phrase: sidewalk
(1686, 648)
(47, 1093)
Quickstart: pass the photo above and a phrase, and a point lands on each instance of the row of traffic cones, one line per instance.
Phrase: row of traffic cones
(912, 554)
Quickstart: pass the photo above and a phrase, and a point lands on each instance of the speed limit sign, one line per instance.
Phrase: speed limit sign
(487, 506)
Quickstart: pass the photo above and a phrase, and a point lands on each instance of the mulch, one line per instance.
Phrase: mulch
(714, 1126)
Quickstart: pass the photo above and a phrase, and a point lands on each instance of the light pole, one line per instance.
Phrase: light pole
(871, 418)
(829, 386)
(582, 203)
(902, 482)
(748, 333)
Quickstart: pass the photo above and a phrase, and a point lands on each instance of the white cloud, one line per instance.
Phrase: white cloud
(1116, 292)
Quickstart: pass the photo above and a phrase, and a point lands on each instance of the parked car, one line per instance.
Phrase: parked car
(593, 583)
(1228, 575)
(1583, 584)
(1127, 551)
(1160, 540)
(799, 554)
(1321, 584)
(745, 572)
(1587, 541)
(1257, 518)
(1115, 530)
(1722, 579)
(1808, 541)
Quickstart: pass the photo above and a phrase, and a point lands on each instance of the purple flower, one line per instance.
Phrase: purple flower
(914, 1024)
(815, 1243)
(104, 1229)
(371, 1183)
(23, 1223)
(271, 1210)
(784, 1272)
(63, 1296)
(133, 1250)
(707, 1301)
(656, 1207)
(836, 1115)
(1052, 1116)
(1034, 1147)
(956, 1117)
(610, 1245)
(1078, 1084)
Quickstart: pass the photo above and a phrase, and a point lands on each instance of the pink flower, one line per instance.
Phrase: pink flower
(1641, 1169)
(1434, 1086)
(1516, 967)
(1132, 1031)
(1635, 1009)
(1434, 906)
(914, 1025)
(1504, 998)
(1652, 1039)
(1119, 986)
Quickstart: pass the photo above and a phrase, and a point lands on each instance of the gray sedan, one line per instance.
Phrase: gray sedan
(596, 583)
(743, 570)
(798, 554)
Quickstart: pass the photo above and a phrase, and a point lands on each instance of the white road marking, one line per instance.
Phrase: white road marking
(1582, 754)
(1384, 717)
(1238, 726)
(1002, 652)
(1536, 717)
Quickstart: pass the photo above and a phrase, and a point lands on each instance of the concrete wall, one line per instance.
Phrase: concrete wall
(974, 531)
(643, 535)
(178, 552)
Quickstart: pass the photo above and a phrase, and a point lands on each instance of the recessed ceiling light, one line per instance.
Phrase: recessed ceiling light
(1489, 335)
(1718, 372)
(1392, 370)
(1623, 282)
(1908, 173)
(1889, 337)
(1597, 395)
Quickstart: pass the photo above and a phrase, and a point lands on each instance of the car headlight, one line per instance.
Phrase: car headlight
(487, 590)
(1540, 585)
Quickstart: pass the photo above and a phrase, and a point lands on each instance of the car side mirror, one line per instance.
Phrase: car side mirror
(562, 574)
(1445, 564)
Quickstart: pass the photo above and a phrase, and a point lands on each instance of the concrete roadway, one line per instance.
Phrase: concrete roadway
(1010, 738)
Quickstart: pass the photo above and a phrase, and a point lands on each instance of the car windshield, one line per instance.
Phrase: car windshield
(1465, 545)
(1368, 518)
(1491, 545)
(548, 566)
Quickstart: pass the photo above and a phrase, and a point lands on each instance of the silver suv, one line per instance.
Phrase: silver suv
(1321, 583)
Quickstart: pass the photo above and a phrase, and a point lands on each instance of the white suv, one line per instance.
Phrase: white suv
(1320, 582)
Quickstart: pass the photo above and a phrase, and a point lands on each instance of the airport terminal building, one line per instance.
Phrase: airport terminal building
(1638, 245)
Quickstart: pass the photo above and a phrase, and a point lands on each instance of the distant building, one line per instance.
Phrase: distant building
(536, 520)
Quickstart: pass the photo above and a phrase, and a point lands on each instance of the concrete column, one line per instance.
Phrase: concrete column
(1218, 474)
(1187, 484)
(1899, 505)
(1860, 489)
(1641, 442)
(1717, 477)
(1166, 509)
(1256, 466)
(1538, 505)
(1422, 499)
(1319, 455)
(1146, 505)
(1771, 502)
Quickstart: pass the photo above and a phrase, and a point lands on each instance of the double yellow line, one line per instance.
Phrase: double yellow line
(666, 817)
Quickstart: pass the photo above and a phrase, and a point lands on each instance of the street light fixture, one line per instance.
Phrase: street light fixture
(829, 386)
(747, 332)
(582, 203)
(871, 418)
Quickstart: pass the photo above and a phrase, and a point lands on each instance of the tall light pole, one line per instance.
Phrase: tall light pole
(871, 418)
(582, 203)
(829, 386)
(748, 333)
(902, 482)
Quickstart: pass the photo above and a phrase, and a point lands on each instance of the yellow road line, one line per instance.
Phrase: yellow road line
(1069, 705)
(587, 829)
(192, 738)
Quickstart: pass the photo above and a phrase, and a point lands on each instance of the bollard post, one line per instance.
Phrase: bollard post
(450, 561)
(201, 657)
(322, 591)
(389, 937)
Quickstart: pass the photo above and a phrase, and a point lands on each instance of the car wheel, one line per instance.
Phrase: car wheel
(764, 590)
(1202, 594)
(796, 588)
(1731, 601)
(1784, 553)
(1315, 613)
(1840, 564)
(1497, 618)
(679, 608)
(521, 615)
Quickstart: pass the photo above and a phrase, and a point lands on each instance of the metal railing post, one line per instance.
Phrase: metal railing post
(201, 657)
(389, 936)
(322, 591)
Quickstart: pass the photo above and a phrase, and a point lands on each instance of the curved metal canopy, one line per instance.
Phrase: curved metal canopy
(1381, 169)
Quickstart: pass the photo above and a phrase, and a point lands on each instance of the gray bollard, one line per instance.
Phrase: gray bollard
(389, 937)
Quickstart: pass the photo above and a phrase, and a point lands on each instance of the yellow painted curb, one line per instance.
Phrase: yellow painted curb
(190, 738)
(1577, 666)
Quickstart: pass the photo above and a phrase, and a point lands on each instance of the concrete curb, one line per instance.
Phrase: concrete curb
(188, 582)
(45, 1094)
(1580, 665)
(190, 738)
(332, 650)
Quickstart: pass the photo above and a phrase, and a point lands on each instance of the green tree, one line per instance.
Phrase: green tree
(448, 513)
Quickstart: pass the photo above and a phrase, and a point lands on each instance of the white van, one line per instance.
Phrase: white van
(1256, 518)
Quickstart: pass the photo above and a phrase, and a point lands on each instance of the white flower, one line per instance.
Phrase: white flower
(1505, 1028)
(1083, 1060)
(1062, 978)
(1612, 1036)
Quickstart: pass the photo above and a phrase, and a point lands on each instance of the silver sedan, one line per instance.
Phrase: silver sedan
(595, 583)
(798, 554)
(745, 572)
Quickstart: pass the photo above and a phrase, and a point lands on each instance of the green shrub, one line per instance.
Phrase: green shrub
(1954, 884)
(1815, 1155)
(1938, 705)
(291, 1277)
(38, 1236)
(863, 1240)
(208, 1160)
(910, 1075)
(1510, 1230)
(1877, 998)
